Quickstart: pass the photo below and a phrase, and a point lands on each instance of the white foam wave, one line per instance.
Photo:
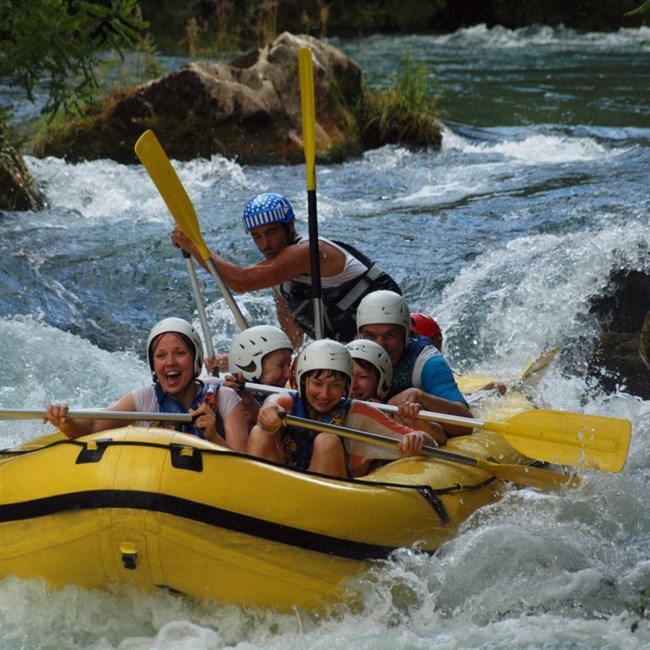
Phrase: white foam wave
(482, 36)
(546, 300)
(42, 364)
(537, 148)
(104, 190)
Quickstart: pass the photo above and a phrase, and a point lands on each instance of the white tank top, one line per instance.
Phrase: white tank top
(353, 269)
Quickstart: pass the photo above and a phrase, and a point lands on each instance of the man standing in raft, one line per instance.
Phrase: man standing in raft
(347, 275)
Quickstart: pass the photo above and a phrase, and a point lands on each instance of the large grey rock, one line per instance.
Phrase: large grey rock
(248, 110)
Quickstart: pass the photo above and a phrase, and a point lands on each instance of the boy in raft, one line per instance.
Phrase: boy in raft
(261, 355)
(323, 376)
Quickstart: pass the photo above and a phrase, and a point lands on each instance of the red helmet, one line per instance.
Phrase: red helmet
(425, 325)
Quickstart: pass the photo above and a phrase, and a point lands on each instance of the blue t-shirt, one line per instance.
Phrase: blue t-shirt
(438, 379)
(423, 366)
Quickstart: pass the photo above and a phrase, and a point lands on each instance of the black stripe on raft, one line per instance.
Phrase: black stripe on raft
(210, 515)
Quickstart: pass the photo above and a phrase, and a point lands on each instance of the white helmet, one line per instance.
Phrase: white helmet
(249, 348)
(379, 358)
(384, 308)
(177, 326)
(323, 354)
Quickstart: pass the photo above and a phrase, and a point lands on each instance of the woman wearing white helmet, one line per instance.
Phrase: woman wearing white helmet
(421, 373)
(261, 355)
(372, 373)
(372, 377)
(323, 376)
(175, 356)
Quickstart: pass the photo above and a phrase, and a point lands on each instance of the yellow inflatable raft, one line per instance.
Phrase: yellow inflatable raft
(165, 510)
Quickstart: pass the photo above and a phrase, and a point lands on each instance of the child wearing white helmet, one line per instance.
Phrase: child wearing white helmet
(372, 371)
(372, 376)
(323, 376)
(175, 356)
(260, 355)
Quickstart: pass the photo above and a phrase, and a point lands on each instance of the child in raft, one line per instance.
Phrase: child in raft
(372, 376)
(323, 377)
(260, 355)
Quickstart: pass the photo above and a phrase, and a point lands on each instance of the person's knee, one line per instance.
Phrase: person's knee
(327, 443)
(259, 443)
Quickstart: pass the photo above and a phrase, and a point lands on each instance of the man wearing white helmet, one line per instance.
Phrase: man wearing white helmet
(420, 373)
(175, 356)
(346, 273)
(323, 374)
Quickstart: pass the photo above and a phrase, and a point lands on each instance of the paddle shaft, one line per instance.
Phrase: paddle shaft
(225, 292)
(131, 416)
(196, 290)
(533, 477)
(561, 437)
(308, 106)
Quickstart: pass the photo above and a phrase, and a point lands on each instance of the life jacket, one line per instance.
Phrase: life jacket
(403, 370)
(206, 393)
(298, 443)
(339, 303)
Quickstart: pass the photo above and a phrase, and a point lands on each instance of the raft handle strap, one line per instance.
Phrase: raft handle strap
(435, 502)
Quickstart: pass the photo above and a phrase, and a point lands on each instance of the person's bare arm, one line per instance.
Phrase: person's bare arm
(57, 414)
(437, 405)
(287, 323)
(290, 263)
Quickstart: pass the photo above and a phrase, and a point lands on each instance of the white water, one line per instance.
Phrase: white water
(505, 236)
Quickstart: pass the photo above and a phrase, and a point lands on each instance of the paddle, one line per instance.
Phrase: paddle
(533, 477)
(156, 162)
(590, 441)
(534, 371)
(308, 106)
(27, 414)
(207, 335)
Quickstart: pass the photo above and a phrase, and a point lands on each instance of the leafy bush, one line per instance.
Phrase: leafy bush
(405, 112)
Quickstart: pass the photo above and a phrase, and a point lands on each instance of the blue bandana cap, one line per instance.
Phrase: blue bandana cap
(267, 208)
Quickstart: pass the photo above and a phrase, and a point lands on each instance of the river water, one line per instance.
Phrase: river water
(539, 193)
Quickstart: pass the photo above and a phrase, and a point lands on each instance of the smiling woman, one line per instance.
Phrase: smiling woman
(175, 355)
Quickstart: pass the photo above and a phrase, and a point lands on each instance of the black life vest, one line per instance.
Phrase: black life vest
(339, 303)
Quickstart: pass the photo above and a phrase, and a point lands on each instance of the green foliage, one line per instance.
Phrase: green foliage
(405, 111)
(57, 45)
(639, 10)
(229, 26)
(641, 609)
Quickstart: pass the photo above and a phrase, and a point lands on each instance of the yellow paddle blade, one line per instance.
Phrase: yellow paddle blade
(534, 371)
(308, 106)
(156, 162)
(566, 438)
